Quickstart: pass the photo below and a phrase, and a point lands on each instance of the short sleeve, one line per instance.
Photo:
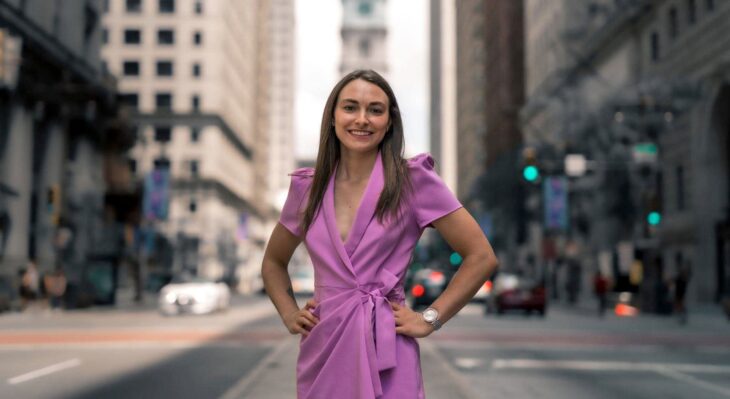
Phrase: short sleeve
(291, 214)
(432, 199)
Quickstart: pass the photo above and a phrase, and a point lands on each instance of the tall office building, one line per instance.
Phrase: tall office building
(364, 35)
(205, 78)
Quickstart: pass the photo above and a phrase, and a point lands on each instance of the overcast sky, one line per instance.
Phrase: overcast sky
(318, 46)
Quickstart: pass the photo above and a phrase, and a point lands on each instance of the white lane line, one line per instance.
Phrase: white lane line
(44, 371)
(468, 362)
(674, 374)
(606, 366)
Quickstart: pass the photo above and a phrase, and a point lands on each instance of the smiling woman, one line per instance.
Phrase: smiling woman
(360, 213)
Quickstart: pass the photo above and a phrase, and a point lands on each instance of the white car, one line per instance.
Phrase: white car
(302, 282)
(194, 295)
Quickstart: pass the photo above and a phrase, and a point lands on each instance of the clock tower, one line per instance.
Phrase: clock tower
(363, 36)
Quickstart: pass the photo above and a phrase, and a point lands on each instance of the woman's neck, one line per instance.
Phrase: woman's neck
(355, 166)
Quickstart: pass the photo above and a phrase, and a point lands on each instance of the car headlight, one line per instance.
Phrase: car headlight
(170, 297)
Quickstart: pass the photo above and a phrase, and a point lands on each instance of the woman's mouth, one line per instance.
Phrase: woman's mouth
(361, 133)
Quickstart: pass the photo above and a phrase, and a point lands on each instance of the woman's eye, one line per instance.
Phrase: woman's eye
(349, 107)
(376, 111)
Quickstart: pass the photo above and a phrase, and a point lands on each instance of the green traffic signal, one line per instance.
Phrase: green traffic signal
(455, 259)
(531, 173)
(654, 218)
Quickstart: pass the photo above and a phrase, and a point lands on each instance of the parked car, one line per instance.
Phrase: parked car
(302, 282)
(484, 293)
(194, 295)
(514, 292)
(426, 286)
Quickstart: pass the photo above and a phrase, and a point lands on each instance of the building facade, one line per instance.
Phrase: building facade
(200, 76)
(639, 89)
(60, 128)
(364, 36)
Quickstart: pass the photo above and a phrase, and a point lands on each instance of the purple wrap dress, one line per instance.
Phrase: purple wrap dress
(354, 351)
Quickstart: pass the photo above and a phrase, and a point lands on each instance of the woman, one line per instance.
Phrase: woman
(360, 213)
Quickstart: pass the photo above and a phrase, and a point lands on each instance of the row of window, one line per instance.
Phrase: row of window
(163, 6)
(163, 101)
(673, 23)
(165, 37)
(164, 68)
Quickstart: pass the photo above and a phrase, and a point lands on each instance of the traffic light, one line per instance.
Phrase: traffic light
(530, 169)
(654, 218)
(455, 259)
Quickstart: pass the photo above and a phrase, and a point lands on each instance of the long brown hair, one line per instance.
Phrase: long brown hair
(395, 170)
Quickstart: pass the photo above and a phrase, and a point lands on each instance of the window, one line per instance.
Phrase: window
(198, 38)
(130, 99)
(680, 187)
(166, 37)
(654, 46)
(365, 8)
(166, 6)
(104, 36)
(134, 6)
(91, 21)
(164, 68)
(194, 169)
(193, 206)
(105, 6)
(199, 7)
(673, 27)
(133, 166)
(195, 102)
(196, 70)
(710, 5)
(162, 163)
(364, 47)
(163, 101)
(131, 68)
(194, 134)
(163, 134)
(691, 12)
(132, 36)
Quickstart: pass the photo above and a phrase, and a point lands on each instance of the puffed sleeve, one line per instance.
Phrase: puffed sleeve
(431, 198)
(291, 214)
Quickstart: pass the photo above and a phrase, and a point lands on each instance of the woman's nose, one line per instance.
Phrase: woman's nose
(362, 118)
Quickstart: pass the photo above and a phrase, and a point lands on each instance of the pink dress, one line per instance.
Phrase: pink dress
(354, 351)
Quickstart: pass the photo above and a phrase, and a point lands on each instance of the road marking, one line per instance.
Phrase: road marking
(674, 374)
(44, 371)
(239, 389)
(606, 366)
(468, 362)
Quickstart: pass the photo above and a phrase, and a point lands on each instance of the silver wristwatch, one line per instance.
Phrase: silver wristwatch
(431, 316)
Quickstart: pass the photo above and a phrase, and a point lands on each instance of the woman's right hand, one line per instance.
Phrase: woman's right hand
(301, 321)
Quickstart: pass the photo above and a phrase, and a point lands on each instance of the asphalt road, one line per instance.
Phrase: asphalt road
(121, 353)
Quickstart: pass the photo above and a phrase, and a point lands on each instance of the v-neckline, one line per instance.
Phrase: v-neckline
(345, 240)
(363, 215)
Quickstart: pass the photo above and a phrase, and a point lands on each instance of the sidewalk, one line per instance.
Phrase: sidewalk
(275, 377)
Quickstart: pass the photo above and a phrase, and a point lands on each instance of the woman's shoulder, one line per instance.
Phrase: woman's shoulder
(302, 173)
(422, 161)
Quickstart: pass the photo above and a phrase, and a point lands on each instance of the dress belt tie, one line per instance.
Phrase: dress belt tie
(381, 337)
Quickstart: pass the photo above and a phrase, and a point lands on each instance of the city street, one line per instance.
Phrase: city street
(246, 353)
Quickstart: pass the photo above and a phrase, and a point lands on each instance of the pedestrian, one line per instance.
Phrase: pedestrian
(681, 280)
(360, 212)
(29, 285)
(55, 286)
(600, 288)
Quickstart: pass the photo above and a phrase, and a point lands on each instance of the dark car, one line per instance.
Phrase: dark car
(426, 286)
(514, 292)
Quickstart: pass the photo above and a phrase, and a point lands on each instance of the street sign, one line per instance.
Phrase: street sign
(555, 198)
(645, 153)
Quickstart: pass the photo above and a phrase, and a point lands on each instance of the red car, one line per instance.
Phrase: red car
(513, 292)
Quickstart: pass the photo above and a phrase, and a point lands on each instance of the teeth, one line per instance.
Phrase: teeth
(360, 132)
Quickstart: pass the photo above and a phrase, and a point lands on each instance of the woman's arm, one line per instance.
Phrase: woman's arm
(277, 283)
(464, 235)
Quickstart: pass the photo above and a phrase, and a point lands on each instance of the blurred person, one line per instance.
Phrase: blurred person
(54, 285)
(360, 213)
(680, 283)
(29, 285)
(600, 288)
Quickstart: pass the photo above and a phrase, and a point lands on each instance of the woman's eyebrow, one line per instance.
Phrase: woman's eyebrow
(350, 100)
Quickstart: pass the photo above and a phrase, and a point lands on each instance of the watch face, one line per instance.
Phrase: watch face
(430, 315)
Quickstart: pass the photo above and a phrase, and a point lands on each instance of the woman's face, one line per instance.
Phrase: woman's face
(361, 116)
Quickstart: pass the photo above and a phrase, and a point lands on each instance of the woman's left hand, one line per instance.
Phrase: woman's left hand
(410, 323)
